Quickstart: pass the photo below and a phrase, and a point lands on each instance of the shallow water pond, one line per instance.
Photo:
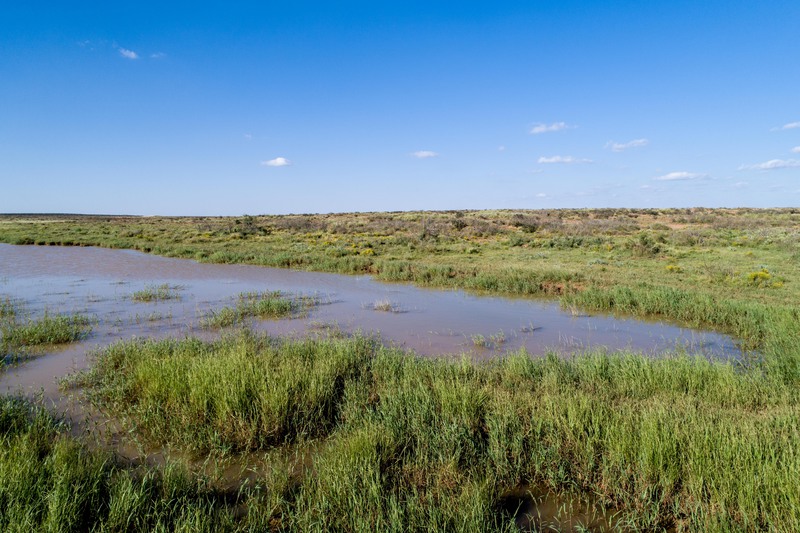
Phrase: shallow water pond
(107, 285)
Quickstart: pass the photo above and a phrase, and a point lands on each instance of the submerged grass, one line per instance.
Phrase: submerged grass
(7, 309)
(48, 330)
(155, 293)
(412, 444)
(268, 304)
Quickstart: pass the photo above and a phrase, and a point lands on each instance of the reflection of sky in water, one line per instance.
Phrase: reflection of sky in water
(99, 282)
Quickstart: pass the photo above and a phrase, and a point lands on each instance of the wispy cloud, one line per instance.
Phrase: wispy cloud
(621, 147)
(247, 136)
(424, 154)
(547, 128)
(679, 176)
(564, 159)
(541, 195)
(129, 54)
(277, 162)
(789, 126)
(796, 150)
(773, 164)
(158, 55)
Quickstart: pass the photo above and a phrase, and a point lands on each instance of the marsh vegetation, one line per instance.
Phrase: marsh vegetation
(356, 436)
(20, 334)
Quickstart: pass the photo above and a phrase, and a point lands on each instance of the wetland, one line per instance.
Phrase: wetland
(566, 370)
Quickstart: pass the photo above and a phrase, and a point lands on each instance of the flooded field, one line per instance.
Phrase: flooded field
(519, 413)
(103, 284)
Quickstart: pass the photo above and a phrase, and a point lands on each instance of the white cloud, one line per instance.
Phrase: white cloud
(158, 55)
(772, 164)
(789, 126)
(277, 162)
(129, 54)
(796, 150)
(566, 159)
(621, 147)
(677, 176)
(424, 154)
(503, 148)
(546, 128)
(248, 136)
(541, 195)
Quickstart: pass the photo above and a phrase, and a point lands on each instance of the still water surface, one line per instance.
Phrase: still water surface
(99, 282)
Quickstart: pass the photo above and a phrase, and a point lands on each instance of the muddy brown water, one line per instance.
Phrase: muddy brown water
(99, 282)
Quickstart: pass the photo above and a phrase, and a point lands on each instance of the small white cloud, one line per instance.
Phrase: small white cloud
(789, 126)
(501, 148)
(248, 136)
(796, 150)
(541, 195)
(677, 176)
(772, 164)
(621, 147)
(158, 55)
(277, 162)
(565, 159)
(546, 128)
(130, 54)
(424, 154)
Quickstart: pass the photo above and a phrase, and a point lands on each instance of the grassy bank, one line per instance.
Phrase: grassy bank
(404, 443)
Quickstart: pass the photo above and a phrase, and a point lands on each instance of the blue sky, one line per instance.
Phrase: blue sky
(300, 107)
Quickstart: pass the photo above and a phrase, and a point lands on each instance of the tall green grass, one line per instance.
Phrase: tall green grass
(243, 392)
(50, 482)
(413, 444)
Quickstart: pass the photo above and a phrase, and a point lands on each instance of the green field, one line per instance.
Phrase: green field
(356, 436)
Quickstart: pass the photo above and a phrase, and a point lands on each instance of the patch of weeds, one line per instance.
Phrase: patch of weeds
(268, 304)
(479, 341)
(155, 293)
(498, 338)
(58, 329)
(7, 308)
(763, 278)
(386, 305)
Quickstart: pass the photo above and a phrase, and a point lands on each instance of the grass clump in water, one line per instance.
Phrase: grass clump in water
(7, 309)
(155, 293)
(268, 304)
(386, 305)
(48, 330)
